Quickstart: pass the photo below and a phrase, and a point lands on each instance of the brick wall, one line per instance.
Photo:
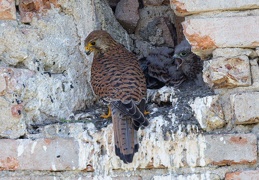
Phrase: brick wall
(227, 148)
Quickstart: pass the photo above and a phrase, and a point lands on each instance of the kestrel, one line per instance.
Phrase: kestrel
(116, 77)
(187, 61)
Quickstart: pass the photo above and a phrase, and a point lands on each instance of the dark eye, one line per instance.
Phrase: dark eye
(93, 43)
(184, 53)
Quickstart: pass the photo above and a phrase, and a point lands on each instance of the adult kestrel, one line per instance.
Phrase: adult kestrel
(116, 77)
(187, 61)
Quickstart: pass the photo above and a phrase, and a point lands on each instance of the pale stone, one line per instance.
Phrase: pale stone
(227, 149)
(12, 124)
(257, 51)
(187, 7)
(208, 112)
(7, 10)
(227, 72)
(245, 174)
(2, 85)
(14, 79)
(255, 72)
(57, 154)
(245, 107)
(162, 95)
(206, 34)
(233, 52)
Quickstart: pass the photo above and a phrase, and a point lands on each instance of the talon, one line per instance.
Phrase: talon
(146, 112)
(108, 115)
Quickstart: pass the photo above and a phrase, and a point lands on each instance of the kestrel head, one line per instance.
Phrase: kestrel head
(182, 53)
(98, 41)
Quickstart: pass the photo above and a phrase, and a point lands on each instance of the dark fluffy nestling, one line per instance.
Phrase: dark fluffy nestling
(187, 61)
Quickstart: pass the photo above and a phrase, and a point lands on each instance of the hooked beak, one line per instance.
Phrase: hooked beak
(178, 61)
(87, 50)
(87, 53)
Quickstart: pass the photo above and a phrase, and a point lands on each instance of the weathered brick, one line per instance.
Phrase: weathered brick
(227, 72)
(245, 107)
(208, 112)
(7, 10)
(186, 7)
(228, 149)
(206, 34)
(243, 175)
(42, 154)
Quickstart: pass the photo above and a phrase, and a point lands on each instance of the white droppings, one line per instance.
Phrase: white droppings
(53, 166)
(33, 146)
(221, 139)
(202, 145)
(45, 148)
(20, 149)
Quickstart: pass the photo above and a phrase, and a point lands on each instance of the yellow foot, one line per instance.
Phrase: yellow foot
(106, 116)
(146, 112)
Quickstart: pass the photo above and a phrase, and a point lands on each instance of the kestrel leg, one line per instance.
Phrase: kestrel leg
(108, 115)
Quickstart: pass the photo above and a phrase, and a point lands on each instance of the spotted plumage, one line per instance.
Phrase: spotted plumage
(117, 79)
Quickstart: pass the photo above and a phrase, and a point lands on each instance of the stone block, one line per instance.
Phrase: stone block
(233, 52)
(245, 107)
(127, 14)
(42, 154)
(229, 149)
(12, 83)
(227, 72)
(208, 112)
(7, 10)
(206, 34)
(243, 175)
(13, 80)
(187, 7)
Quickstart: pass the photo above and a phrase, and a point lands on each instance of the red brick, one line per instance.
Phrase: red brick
(42, 154)
(228, 149)
(243, 175)
(7, 10)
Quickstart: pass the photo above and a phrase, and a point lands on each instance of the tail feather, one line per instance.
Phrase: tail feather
(132, 110)
(125, 136)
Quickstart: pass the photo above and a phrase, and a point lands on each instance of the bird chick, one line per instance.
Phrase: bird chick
(161, 66)
(186, 61)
